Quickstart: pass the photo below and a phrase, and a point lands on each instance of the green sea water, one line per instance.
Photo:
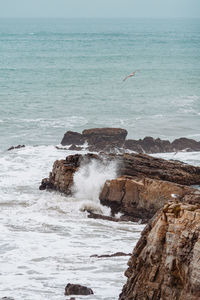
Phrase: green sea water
(66, 74)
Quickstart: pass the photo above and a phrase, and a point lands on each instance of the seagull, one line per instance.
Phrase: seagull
(130, 75)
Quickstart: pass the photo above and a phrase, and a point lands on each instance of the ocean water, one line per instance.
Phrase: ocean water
(58, 75)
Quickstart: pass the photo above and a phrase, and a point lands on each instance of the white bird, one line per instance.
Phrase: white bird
(130, 75)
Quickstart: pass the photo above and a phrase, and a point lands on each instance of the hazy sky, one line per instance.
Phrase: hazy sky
(99, 8)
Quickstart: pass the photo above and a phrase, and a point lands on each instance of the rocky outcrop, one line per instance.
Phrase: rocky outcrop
(97, 138)
(77, 289)
(146, 185)
(151, 145)
(184, 143)
(135, 165)
(165, 262)
(105, 138)
(61, 177)
(140, 198)
(112, 139)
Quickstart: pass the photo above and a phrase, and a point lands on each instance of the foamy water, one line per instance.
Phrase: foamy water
(46, 238)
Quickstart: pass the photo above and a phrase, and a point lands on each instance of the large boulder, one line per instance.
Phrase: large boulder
(141, 197)
(105, 138)
(165, 263)
(71, 137)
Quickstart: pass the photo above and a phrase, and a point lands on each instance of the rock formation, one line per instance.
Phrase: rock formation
(112, 139)
(140, 198)
(165, 262)
(97, 138)
(146, 186)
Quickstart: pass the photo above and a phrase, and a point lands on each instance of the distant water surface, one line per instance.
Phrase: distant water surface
(59, 74)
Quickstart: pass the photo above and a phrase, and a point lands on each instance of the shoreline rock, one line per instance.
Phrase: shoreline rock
(165, 262)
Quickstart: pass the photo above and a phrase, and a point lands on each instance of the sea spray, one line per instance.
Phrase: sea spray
(89, 180)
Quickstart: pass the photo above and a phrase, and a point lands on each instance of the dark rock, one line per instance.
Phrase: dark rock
(71, 137)
(77, 289)
(149, 145)
(74, 147)
(185, 144)
(165, 262)
(111, 255)
(104, 138)
(16, 147)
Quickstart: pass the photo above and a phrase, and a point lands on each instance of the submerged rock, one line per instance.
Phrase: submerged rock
(165, 262)
(77, 289)
(16, 147)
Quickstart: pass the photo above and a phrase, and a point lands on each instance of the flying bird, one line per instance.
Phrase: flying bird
(130, 75)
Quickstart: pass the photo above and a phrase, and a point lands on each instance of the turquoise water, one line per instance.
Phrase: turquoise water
(58, 75)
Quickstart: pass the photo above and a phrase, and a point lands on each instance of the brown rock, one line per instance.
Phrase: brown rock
(151, 145)
(104, 138)
(165, 262)
(140, 198)
(136, 165)
(71, 137)
(184, 143)
(77, 289)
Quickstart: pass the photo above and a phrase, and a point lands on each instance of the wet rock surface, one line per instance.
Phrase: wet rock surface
(165, 262)
(147, 185)
(112, 139)
(77, 289)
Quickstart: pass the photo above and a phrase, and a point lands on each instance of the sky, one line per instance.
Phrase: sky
(100, 8)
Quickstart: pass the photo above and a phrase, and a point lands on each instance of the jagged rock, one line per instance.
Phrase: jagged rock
(16, 147)
(149, 145)
(136, 165)
(165, 262)
(77, 289)
(71, 137)
(140, 198)
(184, 143)
(111, 139)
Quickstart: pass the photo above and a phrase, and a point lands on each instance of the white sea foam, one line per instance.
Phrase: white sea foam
(89, 180)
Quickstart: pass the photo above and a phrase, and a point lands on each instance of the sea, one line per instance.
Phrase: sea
(67, 74)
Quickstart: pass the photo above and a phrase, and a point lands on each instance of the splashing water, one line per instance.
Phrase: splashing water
(89, 180)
